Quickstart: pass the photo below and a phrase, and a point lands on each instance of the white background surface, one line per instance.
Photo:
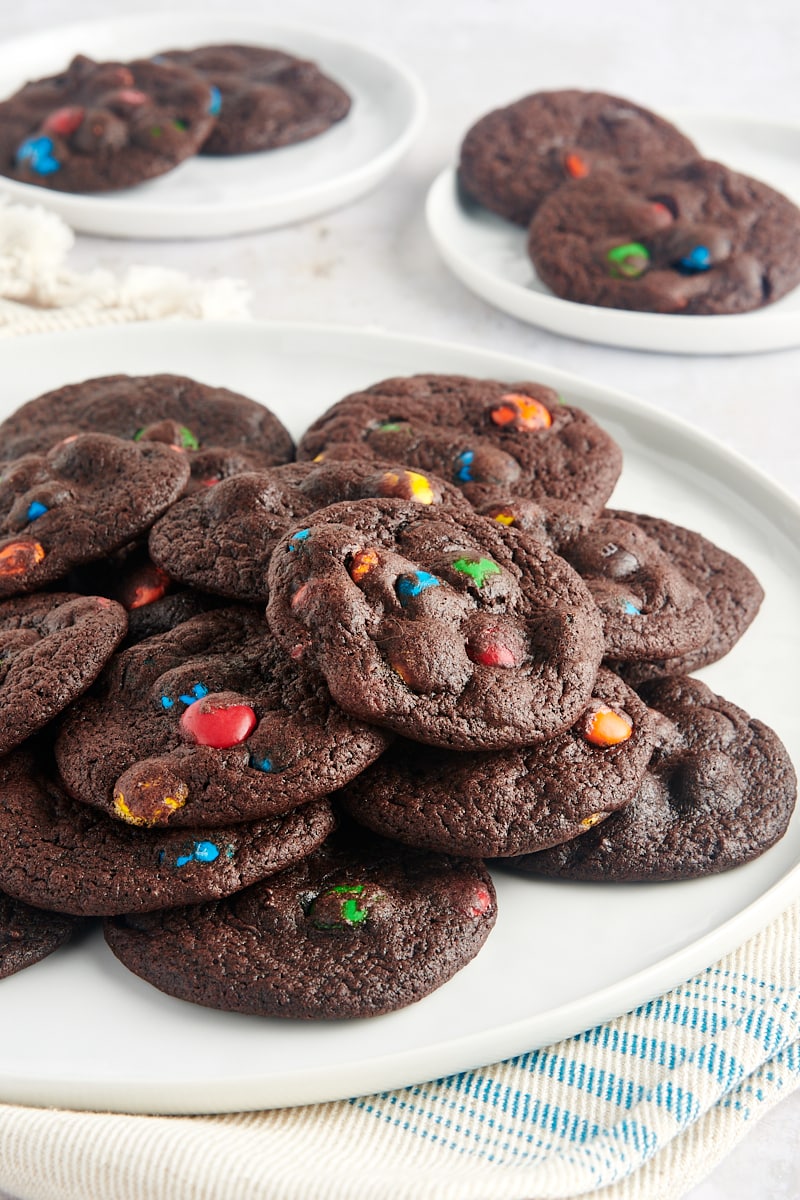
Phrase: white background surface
(373, 263)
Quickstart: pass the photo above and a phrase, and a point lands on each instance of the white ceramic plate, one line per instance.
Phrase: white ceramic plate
(84, 1033)
(217, 197)
(489, 255)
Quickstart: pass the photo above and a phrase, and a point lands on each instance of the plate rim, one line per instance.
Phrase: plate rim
(353, 183)
(371, 1075)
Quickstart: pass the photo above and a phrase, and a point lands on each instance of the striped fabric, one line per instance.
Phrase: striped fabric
(640, 1107)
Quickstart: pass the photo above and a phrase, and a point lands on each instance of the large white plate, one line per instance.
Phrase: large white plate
(216, 197)
(489, 255)
(83, 1032)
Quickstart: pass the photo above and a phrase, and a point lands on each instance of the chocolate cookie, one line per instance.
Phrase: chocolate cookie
(448, 628)
(729, 588)
(29, 934)
(209, 724)
(719, 791)
(515, 156)
(511, 801)
(163, 614)
(58, 854)
(102, 126)
(649, 607)
(355, 930)
(154, 602)
(263, 98)
(486, 437)
(52, 647)
(700, 239)
(221, 432)
(221, 539)
(90, 494)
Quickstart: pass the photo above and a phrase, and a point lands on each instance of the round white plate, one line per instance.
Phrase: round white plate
(490, 256)
(83, 1032)
(217, 197)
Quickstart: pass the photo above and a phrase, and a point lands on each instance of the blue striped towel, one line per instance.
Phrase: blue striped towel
(642, 1107)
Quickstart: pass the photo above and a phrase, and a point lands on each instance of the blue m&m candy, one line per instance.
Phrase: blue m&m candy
(698, 259)
(408, 586)
(215, 105)
(463, 466)
(37, 153)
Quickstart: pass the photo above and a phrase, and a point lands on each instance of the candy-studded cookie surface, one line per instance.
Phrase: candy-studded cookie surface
(222, 538)
(262, 98)
(728, 586)
(516, 156)
(512, 801)
(58, 854)
(210, 723)
(87, 496)
(218, 431)
(700, 239)
(102, 126)
(359, 928)
(450, 629)
(720, 790)
(650, 609)
(484, 436)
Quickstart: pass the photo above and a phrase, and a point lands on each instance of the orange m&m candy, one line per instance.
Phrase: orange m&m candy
(604, 727)
(523, 412)
(576, 166)
(17, 558)
(362, 563)
(148, 585)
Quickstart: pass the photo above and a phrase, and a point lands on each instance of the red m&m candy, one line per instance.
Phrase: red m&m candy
(218, 721)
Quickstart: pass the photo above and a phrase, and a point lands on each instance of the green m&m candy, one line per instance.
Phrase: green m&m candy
(339, 907)
(630, 260)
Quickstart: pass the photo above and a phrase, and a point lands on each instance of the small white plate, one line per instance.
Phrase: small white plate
(217, 197)
(83, 1032)
(490, 256)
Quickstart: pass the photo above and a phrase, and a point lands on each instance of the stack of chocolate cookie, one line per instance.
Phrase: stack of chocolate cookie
(284, 710)
(623, 211)
(100, 126)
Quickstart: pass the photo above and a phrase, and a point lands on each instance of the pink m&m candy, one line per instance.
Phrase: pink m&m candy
(64, 121)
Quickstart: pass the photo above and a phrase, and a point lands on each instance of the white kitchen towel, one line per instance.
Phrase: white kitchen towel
(638, 1108)
(40, 293)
